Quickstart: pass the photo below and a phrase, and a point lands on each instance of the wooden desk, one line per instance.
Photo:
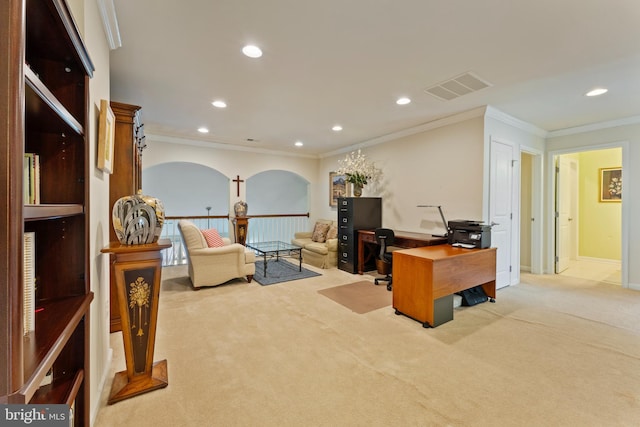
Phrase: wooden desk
(403, 239)
(425, 279)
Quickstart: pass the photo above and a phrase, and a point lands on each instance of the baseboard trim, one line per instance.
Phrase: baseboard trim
(601, 260)
(634, 286)
(95, 405)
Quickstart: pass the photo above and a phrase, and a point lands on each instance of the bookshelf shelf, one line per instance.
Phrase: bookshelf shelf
(56, 322)
(51, 211)
(38, 94)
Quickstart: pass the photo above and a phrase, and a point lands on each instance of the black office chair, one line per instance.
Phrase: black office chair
(385, 238)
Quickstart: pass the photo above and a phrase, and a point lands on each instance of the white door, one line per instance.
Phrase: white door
(566, 203)
(500, 208)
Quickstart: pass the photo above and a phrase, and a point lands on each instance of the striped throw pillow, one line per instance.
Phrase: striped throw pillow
(213, 238)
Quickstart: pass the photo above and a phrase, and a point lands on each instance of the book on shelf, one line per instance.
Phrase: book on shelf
(29, 291)
(31, 178)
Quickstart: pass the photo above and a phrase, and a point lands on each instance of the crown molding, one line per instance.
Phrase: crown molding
(434, 124)
(633, 120)
(110, 23)
(505, 118)
(222, 146)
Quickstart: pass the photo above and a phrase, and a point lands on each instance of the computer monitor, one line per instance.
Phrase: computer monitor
(444, 221)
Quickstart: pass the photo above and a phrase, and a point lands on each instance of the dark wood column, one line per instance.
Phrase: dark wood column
(124, 181)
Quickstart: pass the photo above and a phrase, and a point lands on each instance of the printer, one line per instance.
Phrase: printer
(469, 234)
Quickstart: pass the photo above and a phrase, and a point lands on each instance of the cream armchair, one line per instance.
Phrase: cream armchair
(214, 266)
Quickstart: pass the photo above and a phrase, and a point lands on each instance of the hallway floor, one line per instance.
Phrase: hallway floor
(605, 271)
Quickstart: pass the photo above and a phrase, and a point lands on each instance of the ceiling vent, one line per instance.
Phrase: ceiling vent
(457, 86)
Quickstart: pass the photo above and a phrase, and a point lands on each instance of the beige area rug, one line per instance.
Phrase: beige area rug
(360, 297)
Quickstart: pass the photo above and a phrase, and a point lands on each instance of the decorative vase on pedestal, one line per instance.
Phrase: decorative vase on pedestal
(136, 267)
(138, 219)
(357, 190)
(240, 208)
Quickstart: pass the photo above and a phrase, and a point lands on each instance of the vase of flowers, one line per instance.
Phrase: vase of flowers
(358, 170)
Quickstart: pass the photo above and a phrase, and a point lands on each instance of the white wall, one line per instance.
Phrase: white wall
(441, 166)
(87, 18)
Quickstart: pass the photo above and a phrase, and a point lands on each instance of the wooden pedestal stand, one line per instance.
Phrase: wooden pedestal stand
(137, 270)
(241, 224)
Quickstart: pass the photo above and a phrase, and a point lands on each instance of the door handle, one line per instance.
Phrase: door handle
(494, 223)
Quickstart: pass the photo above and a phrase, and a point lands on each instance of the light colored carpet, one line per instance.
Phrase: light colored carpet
(360, 297)
(552, 351)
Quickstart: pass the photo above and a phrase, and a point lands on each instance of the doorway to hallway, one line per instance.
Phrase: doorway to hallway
(587, 230)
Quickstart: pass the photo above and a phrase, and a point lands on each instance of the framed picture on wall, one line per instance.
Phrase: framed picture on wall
(106, 135)
(611, 184)
(338, 187)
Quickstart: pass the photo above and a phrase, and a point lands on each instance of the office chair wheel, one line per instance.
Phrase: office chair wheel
(398, 312)
(389, 287)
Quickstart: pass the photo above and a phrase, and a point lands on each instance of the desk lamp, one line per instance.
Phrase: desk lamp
(444, 221)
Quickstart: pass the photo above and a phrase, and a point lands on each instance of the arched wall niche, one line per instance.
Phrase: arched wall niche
(188, 189)
(277, 192)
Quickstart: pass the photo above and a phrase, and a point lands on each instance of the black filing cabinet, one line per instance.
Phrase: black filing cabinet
(355, 213)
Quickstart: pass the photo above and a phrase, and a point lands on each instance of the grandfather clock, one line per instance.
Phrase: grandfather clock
(125, 180)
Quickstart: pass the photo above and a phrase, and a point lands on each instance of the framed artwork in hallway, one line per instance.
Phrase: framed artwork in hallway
(611, 184)
(106, 136)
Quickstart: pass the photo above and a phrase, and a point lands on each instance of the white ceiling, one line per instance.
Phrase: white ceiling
(346, 61)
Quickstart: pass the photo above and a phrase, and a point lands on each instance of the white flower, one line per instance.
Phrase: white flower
(358, 169)
(615, 187)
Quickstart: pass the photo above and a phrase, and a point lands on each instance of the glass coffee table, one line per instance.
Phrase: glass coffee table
(276, 249)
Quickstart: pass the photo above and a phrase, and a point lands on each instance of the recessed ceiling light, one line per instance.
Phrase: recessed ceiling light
(337, 128)
(597, 91)
(203, 130)
(403, 101)
(252, 51)
(298, 144)
(219, 104)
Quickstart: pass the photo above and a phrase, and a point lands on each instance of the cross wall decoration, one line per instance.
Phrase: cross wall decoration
(238, 181)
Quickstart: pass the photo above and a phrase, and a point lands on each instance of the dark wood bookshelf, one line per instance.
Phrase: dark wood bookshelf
(46, 107)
